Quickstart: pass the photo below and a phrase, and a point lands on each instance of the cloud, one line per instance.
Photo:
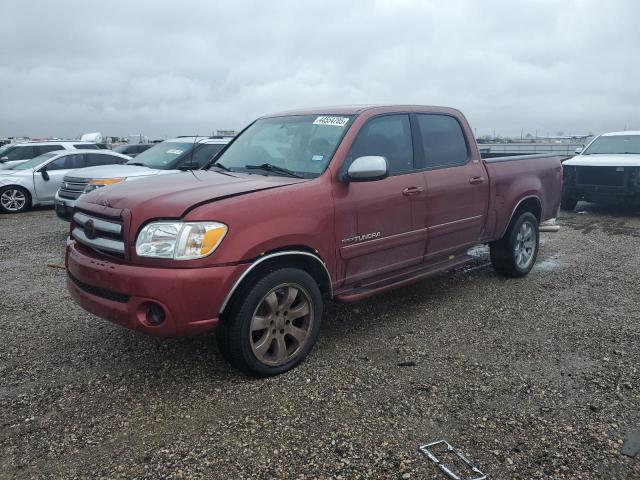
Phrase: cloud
(166, 68)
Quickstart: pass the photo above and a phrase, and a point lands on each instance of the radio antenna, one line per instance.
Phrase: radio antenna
(195, 139)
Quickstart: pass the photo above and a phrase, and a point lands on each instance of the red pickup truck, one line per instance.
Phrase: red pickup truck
(328, 203)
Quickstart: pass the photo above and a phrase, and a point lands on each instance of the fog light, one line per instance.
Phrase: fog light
(154, 314)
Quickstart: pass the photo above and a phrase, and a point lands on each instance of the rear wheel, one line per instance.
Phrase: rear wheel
(14, 199)
(515, 253)
(273, 323)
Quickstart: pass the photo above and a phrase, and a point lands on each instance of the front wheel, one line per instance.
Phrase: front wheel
(14, 199)
(568, 202)
(273, 323)
(515, 253)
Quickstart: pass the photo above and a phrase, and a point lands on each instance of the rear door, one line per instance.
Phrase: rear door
(56, 170)
(457, 188)
(380, 224)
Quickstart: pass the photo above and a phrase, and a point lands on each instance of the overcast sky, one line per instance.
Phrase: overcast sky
(177, 68)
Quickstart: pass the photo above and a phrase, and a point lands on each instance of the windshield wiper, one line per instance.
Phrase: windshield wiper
(137, 164)
(270, 167)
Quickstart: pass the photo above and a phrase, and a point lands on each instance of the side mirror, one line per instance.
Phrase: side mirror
(578, 150)
(4, 159)
(45, 175)
(368, 169)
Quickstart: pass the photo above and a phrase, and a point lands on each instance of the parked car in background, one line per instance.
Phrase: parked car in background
(18, 153)
(606, 171)
(36, 181)
(337, 203)
(133, 150)
(170, 156)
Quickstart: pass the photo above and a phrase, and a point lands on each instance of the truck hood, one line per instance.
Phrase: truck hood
(628, 160)
(116, 171)
(171, 196)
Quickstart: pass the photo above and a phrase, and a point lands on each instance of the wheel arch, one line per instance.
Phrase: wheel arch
(530, 203)
(298, 256)
(30, 197)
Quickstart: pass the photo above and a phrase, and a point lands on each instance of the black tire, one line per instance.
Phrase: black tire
(234, 335)
(568, 202)
(7, 191)
(503, 252)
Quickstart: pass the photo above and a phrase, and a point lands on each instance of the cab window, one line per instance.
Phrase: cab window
(67, 162)
(388, 136)
(442, 140)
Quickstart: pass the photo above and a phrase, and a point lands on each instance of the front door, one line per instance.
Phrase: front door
(56, 170)
(457, 187)
(380, 224)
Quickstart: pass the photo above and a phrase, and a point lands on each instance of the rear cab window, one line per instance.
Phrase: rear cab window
(442, 141)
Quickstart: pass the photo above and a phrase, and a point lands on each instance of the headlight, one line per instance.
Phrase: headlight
(101, 182)
(178, 240)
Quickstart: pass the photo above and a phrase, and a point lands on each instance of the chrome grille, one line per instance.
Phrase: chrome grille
(97, 233)
(72, 187)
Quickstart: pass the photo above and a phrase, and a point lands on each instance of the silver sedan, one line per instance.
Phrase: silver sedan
(36, 181)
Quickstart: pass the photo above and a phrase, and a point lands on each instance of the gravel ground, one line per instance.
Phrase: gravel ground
(530, 378)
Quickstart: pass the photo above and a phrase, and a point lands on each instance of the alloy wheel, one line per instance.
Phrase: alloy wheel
(281, 324)
(13, 200)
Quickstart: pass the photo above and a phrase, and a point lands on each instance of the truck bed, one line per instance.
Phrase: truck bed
(513, 180)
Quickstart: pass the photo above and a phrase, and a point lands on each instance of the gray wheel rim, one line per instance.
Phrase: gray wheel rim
(13, 200)
(525, 245)
(281, 324)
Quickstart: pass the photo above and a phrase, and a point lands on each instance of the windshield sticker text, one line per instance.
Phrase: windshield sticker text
(332, 121)
(175, 151)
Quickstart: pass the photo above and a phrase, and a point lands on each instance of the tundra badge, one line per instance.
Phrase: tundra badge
(360, 238)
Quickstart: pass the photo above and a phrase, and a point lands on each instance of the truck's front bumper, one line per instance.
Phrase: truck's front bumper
(64, 207)
(187, 300)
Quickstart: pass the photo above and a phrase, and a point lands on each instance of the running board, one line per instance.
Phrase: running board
(364, 290)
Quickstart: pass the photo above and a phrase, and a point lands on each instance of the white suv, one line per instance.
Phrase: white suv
(170, 156)
(17, 153)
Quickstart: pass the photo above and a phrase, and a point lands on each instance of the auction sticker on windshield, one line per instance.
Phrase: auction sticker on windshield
(175, 151)
(333, 121)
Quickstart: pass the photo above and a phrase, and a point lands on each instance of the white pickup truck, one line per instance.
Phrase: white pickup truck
(606, 171)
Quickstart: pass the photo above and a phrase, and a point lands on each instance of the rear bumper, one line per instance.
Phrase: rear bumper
(189, 297)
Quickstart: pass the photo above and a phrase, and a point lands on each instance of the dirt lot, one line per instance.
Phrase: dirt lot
(531, 378)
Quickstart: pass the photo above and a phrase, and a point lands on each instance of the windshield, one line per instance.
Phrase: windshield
(34, 162)
(614, 145)
(163, 156)
(303, 144)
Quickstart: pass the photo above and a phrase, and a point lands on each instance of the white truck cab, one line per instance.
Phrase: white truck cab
(606, 171)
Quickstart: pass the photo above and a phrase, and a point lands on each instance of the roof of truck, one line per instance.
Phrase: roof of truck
(357, 109)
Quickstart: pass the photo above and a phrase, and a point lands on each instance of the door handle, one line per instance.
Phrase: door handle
(412, 191)
(476, 180)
